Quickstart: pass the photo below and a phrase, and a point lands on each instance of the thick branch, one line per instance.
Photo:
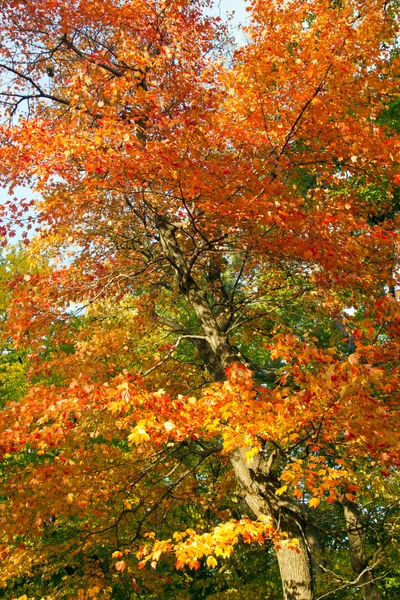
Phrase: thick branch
(220, 354)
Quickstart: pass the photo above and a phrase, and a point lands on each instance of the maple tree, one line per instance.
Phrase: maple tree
(215, 308)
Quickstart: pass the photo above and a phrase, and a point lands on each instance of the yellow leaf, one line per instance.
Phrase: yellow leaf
(139, 434)
(250, 454)
(211, 562)
(314, 502)
(281, 490)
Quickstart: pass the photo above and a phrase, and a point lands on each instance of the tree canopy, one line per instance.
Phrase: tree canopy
(205, 322)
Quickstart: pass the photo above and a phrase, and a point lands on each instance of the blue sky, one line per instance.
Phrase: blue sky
(238, 6)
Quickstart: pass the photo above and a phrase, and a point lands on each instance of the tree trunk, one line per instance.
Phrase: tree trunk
(316, 550)
(253, 477)
(358, 556)
(294, 567)
(259, 492)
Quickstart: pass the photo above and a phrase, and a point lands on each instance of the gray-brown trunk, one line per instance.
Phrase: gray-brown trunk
(316, 550)
(259, 492)
(294, 567)
(358, 556)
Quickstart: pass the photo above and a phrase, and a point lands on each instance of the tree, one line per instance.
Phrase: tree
(208, 220)
(12, 363)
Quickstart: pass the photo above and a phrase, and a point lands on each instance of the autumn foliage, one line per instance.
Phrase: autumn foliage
(204, 315)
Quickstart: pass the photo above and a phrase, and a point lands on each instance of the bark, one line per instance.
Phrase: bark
(221, 355)
(316, 550)
(254, 478)
(259, 492)
(358, 556)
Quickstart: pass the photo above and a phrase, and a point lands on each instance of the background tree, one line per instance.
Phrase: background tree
(13, 264)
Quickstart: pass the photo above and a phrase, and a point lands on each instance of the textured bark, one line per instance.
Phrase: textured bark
(221, 355)
(253, 477)
(259, 492)
(358, 556)
(316, 551)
